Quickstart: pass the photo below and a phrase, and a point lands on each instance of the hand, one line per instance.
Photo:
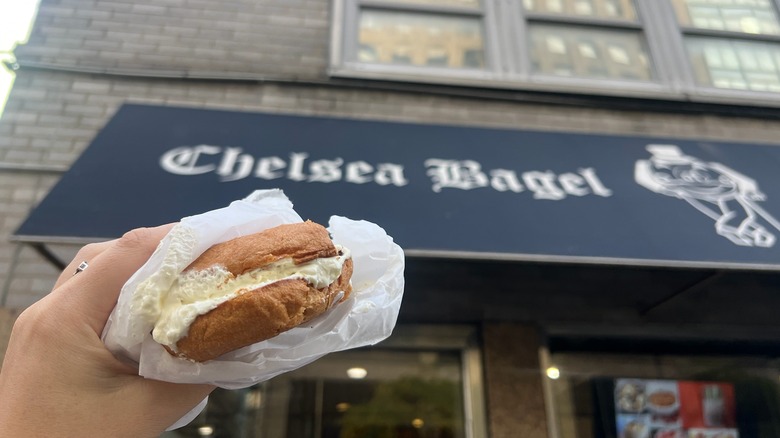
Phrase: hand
(58, 378)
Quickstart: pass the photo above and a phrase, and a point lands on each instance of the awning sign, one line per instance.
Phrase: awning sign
(440, 190)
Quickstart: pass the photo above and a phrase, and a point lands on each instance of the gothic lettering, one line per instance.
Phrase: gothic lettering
(184, 160)
(233, 164)
(543, 186)
(503, 180)
(359, 172)
(296, 167)
(325, 170)
(463, 175)
(573, 184)
(270, 168)
(390, 174)
(594, 182)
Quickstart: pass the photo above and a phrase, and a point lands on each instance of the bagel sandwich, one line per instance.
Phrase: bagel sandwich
(250, 289)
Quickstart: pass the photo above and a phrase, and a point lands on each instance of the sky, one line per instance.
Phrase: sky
(16, 17)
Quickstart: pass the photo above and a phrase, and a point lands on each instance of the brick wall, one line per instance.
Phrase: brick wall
(197, 37)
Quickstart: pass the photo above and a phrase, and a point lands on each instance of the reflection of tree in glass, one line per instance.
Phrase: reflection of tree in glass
(409, 407)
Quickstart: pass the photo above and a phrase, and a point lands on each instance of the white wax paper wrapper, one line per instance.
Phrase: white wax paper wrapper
(367, 317)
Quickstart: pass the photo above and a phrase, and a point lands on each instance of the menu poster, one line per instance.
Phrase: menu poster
(674, 409)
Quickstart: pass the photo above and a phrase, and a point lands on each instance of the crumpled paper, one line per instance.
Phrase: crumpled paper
(367, 317)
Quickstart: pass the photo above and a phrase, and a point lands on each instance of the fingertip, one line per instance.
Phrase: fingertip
(142, 237)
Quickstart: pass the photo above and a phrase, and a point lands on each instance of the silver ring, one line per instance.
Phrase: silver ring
(82, 267)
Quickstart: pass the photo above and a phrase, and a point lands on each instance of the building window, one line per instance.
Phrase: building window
(420, 39)
(702, 50)
(732, 44)
(757, 17)
(735, 64)
(579, 51)
(416, 37)
(587, 38)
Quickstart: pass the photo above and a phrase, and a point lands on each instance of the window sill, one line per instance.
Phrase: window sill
(651, 92)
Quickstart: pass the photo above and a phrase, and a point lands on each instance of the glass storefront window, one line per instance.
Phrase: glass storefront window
(587, 52)
(420, 39)
(610, 9)
(734, 64)
(745, 16)
(656, 396)
(406, 389)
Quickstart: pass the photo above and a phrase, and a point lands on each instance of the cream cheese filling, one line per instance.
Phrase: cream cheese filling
(195, 293)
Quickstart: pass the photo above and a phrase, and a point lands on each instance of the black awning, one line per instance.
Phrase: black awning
(441, 191)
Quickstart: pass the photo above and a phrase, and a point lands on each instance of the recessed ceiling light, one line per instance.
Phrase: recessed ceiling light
(205, 431)
(357, 373)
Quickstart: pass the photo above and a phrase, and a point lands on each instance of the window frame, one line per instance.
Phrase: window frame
(508, 64)
(715, 94)
(344, 45)
(462, 340)
(613, 86)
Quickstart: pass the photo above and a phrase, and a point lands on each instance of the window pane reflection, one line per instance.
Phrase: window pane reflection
(591, 53)
(410, 394)
(614, 9)
(586, 395)
(746, 16)
(739, 65)
(420, 39)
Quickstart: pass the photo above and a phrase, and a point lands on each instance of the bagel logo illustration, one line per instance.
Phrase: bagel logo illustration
(723, 194)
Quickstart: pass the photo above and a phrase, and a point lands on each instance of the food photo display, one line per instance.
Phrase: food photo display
(674, 409)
